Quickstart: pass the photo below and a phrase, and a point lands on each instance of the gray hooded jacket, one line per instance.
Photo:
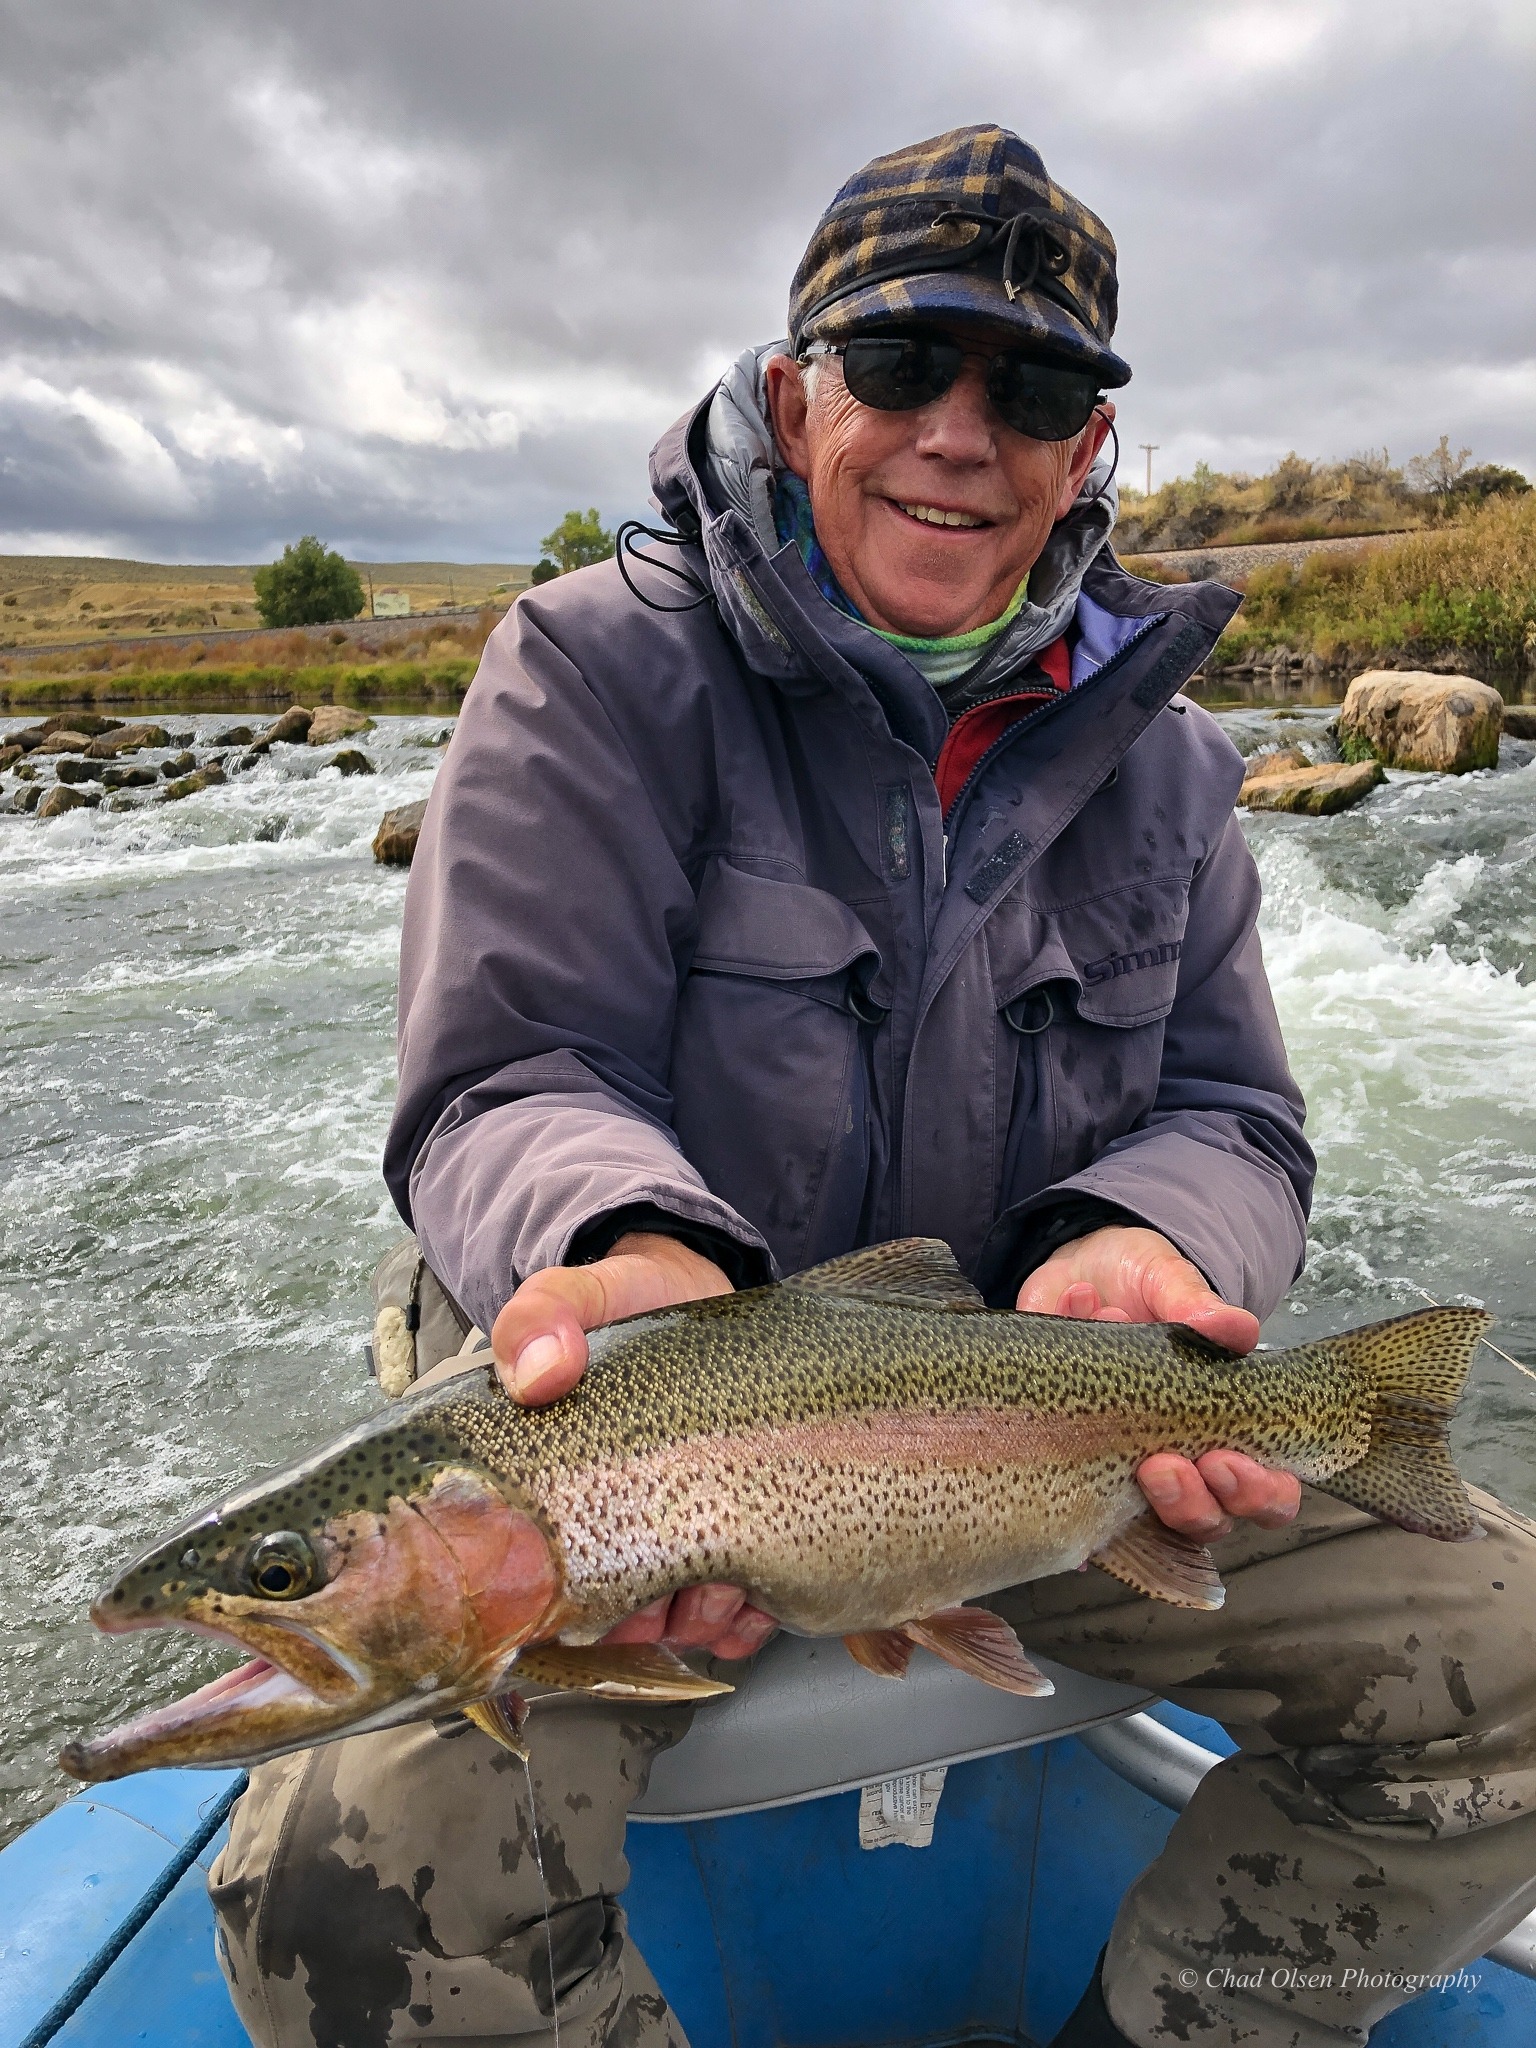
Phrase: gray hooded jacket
(686, 941)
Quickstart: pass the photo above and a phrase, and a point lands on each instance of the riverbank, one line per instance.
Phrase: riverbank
(438, 681)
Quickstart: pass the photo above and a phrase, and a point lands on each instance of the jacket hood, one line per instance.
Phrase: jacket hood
(735, 462)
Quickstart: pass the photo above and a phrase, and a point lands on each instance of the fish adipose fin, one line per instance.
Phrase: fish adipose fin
(907, 1269)
(1418, 1366)
(885, 1651)
(982, 1644)
(627, 1671)
(1158, 1561)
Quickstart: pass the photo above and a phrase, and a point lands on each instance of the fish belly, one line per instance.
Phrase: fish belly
(839, 1526)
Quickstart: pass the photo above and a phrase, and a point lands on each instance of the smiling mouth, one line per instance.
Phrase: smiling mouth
(935, 515)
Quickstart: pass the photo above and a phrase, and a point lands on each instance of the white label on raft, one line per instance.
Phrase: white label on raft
(900, 1810)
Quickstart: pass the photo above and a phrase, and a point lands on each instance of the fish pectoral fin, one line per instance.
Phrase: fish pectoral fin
(885, 1651)
(502, 1717)
(921, 1271)
(981, 1643)
(1157, 1560)
(629, 1671)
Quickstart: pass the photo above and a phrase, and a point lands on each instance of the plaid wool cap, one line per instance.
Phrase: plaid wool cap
(968, 227)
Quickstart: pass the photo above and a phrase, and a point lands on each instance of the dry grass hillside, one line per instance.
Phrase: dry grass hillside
(50, 600)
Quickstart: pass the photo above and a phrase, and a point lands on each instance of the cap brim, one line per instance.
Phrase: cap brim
(963, 299)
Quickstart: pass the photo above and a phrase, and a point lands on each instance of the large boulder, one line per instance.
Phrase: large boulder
(78, 771)
(333, 722)
(87, 722)
(9, 756)
(188, 785)
(293, 726)
(127, 739)
(395, 840)
(1312, 792)
(1279, 761)
(1520, 721)
(1407, 718)
(64, 741)
(62, 798)
(136, 776)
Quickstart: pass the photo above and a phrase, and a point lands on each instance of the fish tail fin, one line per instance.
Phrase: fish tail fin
(1416, 1367)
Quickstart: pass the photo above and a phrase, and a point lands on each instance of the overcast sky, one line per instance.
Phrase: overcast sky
(418, 278)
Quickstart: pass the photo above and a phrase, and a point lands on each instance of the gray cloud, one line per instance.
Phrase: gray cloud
(419, 279)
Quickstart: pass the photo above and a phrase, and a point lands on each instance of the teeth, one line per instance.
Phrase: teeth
(935, 517)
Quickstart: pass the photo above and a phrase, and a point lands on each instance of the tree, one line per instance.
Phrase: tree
(544, 571)
(310, 586)
(1487, 480)
(1438, 473)
(579, 540)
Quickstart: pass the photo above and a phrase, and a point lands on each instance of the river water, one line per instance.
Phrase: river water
(196, 1067)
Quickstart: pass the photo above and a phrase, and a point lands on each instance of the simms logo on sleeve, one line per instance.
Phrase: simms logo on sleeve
(1127, 963)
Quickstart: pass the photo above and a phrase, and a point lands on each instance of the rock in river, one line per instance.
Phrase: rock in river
(351, 761)
(179, 764)
(1520, 721)
(128, 739)
(395, 840)
(1409, 719)
(333, 722)
(292, 726)
(1312, 792)
(62, 798)
(189, 785)
(78, 771)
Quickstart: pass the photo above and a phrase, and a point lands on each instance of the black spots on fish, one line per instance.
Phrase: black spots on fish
(119, 1596)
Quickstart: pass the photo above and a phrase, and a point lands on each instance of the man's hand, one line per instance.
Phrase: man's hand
(540, 1345)
(1123, 1274)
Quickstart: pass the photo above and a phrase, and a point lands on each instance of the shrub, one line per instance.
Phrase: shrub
(309, 586)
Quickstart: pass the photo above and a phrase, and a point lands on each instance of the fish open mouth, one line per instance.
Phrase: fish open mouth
(260, 1708)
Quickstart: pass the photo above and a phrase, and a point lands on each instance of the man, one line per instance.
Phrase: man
(866, 877)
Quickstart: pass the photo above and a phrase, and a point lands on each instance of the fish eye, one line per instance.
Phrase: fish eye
(282, 1566)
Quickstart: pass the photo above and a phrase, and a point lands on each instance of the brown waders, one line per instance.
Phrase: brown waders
(1377, 1824)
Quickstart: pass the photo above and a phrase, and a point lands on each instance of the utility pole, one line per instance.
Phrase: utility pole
(368, 572)
(1149, 446)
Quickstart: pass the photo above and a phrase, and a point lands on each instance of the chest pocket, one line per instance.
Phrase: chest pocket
(1083, 991)
(771, 1057)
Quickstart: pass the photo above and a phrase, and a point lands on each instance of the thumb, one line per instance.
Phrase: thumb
(539, 1340)
(1178, 1292)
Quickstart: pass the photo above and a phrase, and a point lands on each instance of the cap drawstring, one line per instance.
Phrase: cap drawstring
(1047, 253)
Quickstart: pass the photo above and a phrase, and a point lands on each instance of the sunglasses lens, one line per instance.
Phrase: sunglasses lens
(899, 372)
(1042, 400)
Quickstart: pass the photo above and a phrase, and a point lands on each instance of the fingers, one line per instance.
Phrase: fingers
(1177, 1292)
(1250, 1490)
(1127, 1274)
(714, 1618)
(747, 1634)
(1180, 1498)
(1203, 1499)
(702, 1613)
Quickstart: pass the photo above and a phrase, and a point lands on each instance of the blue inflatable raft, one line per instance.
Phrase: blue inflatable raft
(828, 1860)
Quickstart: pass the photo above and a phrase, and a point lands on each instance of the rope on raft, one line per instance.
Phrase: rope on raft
(70, 2000)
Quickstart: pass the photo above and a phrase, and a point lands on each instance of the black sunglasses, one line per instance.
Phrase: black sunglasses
(900, 372)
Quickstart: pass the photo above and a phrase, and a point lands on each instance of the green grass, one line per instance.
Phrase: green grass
(1463, 592)
(435, 680)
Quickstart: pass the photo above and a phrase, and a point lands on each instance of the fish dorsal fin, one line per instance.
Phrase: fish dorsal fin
(627, 1671)
(1156, 1560)
(885, 1651)
(981, 1643)
(916, 1269)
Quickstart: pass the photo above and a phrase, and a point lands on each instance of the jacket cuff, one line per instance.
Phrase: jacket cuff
(744, 1265)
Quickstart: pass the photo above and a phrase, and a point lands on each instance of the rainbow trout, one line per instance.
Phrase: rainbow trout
(862, 1449)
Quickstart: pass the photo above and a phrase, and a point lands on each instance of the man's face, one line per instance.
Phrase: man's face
(879, 481)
